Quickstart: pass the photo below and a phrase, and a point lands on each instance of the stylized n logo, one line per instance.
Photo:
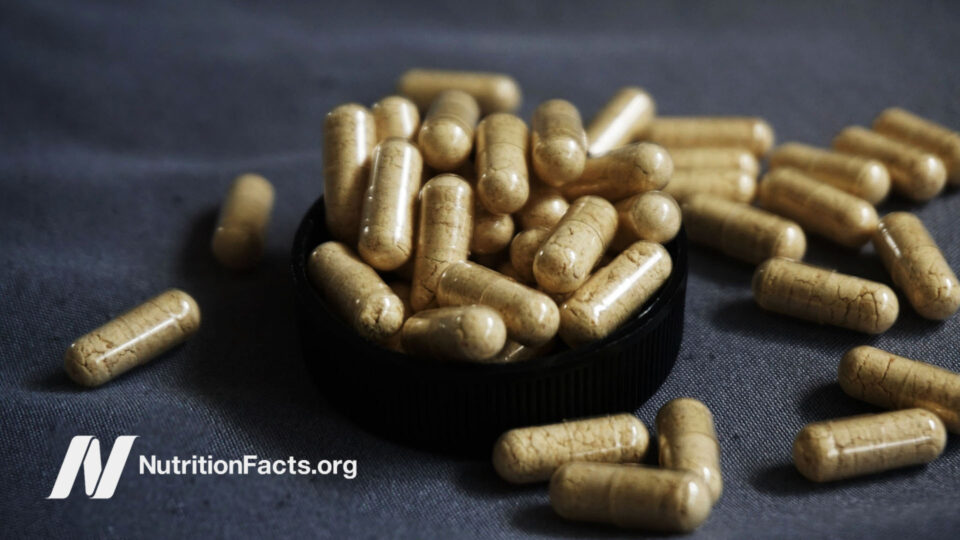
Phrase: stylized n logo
(85, 450)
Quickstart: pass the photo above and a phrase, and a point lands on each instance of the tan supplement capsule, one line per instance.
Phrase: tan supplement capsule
(566, 258)
(446, 225)
(396, 116)
(466, 333)
(518, 352)
(913, 173)
(930, 136)
(242, 228)
(387, 219)
(355, 291)
(614, 293)
(630, 496)
(824, 296)
(818, 207)
(688, 441)
(627, 115)
(559, 142)
(523, 249)
(532, 454)
(652, 216)
(492, 233)
(866, 444)
(917, 265)
(349, 135)
(894, 382)
(728, 184)
(732, 159)
(446, 136)
(531, 316)
(133, 338)
(544, 209)
(623, 172)
(858, 176)
(753, 134)
(503, 184)
(494, 92)
(742, 231)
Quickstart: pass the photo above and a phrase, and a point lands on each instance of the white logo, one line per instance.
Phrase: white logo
(99, 481)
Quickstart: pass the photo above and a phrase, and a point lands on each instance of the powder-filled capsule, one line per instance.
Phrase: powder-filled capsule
(465, 333)
(730, 184)
(930, 136)
(492, 233)
(913, 172)
(565, 259)
(532, 454)
(623, 172)
(652, 216)
(544, 209)
(513, 351)
(753, 134)
(859, 176)
(133, 338)
(241, 230)
(494, 92)
(349, 135)
(395, 116)
(727, 159)
(523, 249)
(687, 441)
(627, 115)
(503, 184)
(559, 144)
(446, 136)
(443, 236)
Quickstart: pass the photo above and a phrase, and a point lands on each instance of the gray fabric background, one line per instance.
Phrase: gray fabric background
(122, 123)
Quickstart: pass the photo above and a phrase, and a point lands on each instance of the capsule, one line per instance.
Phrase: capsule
(349, 135)
(741, 231)
(532, 454)
(818, 207)
(513, 352)
(913, 172)
(623, 172)
(446, 225)
(652, 216)
(523, 250)
(133, 338)
(241, 230)
(858, 176)
(531, 317)
(494, 92)
(446, 136)
(930, 136)
(627, 115)
(395, 116)
(688, 441)
(464, 333)
(558, 141)
(729, 184)
(402, 290)
(630, 496)
(544, 209)
(894, 382)
(566, 258)
(733, 159)
(824, 296)
(492, 233)
(503, 183)
(753, 134)
(614, 294)
(866, 444)
(387, 221)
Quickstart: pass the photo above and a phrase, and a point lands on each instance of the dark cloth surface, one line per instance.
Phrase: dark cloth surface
(122, 124)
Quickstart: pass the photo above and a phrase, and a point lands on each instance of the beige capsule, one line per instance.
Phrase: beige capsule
(614, 293)
(389, 205)
(396, 116)
(866, 444)
(559, 144)
(464, 333)
(859, 176)
(824, 296)
(531, 317)
(653, 216)
(523, 250)
(724, 159)
(930, 136)
(687, 441)
(913, 172)
(565, 259)
(627, 115)
(623, 172)
(753, 134)
(917, 265)
(494, 92)
(492, 233)
(241, 230)
(544, 209)
(742, 231)
(894, 382)
(355, 291)
(630, 496)
(532, 454)
(503, 184)
(729, 184)
(818, 207)
(349, 135)
(133, 338)
(513, 352)
(446, 135)
(443, 237)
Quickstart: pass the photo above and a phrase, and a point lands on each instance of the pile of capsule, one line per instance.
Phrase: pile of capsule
(472, 237)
